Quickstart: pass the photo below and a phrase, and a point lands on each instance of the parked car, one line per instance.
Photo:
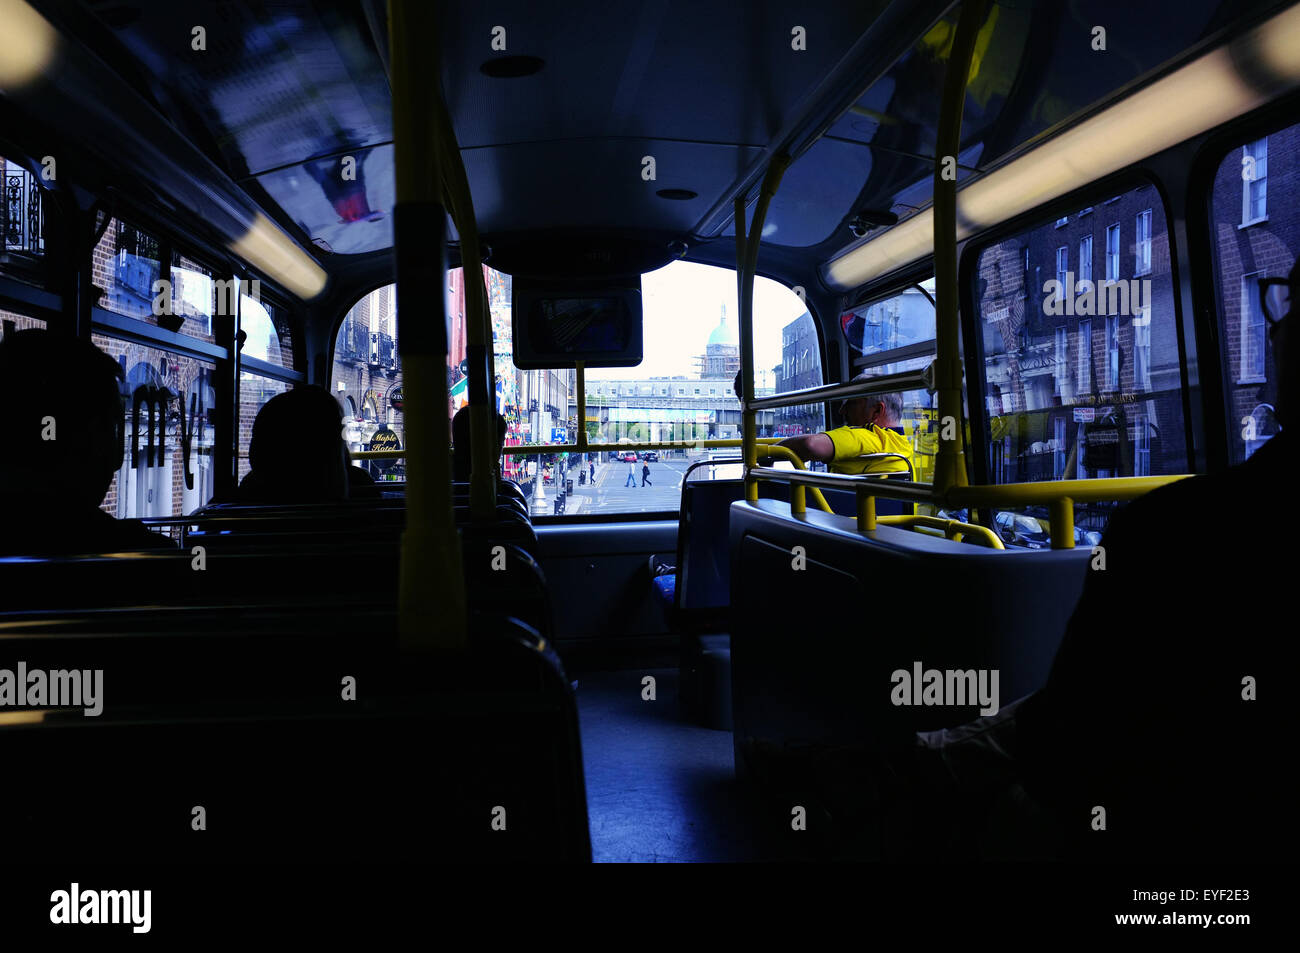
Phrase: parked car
(652, 456)
(628, 456)
(1035, 533)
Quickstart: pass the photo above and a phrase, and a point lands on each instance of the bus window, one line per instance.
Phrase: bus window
(682, 391)
(194, 297)
(366, 377)
(893, 335)
(126, 265)
(1255, 237)
(267, 332)
(167, 465)
(1080, 349)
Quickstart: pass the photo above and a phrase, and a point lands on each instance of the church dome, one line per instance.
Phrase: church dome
(724, 334)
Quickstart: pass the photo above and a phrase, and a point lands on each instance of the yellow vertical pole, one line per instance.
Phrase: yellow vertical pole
(748, 425)
(1061, 516)
(866, 512)
(950, 463)
(747, 254)
(480, 361)
(431, 601)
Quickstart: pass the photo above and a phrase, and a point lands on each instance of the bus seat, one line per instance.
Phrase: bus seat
(260, 736)
(813, 657)
(697, 598)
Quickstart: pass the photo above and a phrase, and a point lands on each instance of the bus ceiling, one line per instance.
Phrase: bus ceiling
(271, 127)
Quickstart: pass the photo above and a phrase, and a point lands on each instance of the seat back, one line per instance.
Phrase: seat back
(302, 736)
(815, 662)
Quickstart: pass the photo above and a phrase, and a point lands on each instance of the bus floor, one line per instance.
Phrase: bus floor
(661, 789)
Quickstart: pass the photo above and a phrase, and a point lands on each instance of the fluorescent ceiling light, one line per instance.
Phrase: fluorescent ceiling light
(27, 44)
(1208, 92)
(266, 247)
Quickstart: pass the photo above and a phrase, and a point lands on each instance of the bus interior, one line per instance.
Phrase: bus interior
(702, 234)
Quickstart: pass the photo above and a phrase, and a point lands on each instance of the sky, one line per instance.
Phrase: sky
(682, 304)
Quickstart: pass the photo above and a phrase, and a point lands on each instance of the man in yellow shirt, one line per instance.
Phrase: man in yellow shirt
(872, 425)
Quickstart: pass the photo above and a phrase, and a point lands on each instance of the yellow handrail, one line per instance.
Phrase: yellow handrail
(953, 529)
(797, 502)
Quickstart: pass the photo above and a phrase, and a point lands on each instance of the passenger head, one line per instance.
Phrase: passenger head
(297, 451)
(460, 442)
(63, 399)
(882, 410)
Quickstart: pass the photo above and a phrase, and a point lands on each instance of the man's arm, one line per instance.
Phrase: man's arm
(813, 446)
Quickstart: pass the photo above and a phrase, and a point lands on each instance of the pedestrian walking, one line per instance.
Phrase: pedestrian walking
(645, 474)
(592, 478)
(631, 475)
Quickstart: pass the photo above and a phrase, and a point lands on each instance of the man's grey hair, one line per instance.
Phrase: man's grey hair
(893, 400)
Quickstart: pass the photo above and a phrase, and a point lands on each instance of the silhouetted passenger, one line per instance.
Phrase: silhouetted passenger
(63, 442)
(460, 443)
(1161, 732)
(297, 451)
(361, 485)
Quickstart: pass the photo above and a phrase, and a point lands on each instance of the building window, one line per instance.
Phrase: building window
(1142, 249)
(1063, 220)
(1062, 269)
(697, 390)
(1086, 211)
(1058, 447)
(1085, 261)
(1254, 181)
(1060, 368)
(1252, 331)
(1085, 357)
(1142, 351)
(1141, 444)
(1112, 252)
(1112, 353)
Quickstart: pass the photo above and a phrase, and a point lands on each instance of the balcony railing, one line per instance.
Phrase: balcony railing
(22, 215)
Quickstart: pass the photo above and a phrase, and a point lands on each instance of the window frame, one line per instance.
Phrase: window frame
(1142, 246)
(1113, 350)
(1117, 255)
(1251, 305)
(1247, 219)
(1083, 370)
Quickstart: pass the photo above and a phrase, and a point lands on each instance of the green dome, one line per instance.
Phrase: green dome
(723, 334)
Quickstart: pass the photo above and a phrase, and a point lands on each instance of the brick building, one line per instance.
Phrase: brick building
(366, 373)
(1257, 231)
(801, 366)
(1081, 355)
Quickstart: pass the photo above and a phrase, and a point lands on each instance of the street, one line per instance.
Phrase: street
(612, 495)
